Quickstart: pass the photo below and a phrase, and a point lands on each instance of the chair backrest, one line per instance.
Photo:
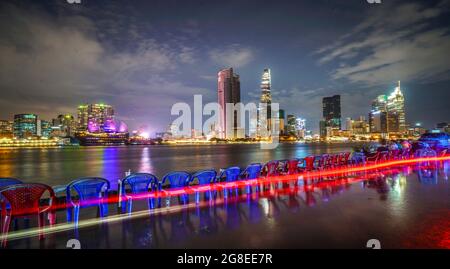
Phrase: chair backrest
(24, 198)
(346, 157)
(140, 182)
(292, 166)
(253, 171)
(88, 188)
(205, 177)
(4, 182)
(231, 173)
(425, 153)
(271, 168)
(176, 179)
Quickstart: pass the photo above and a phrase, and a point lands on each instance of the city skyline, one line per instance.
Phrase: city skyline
(89, 55)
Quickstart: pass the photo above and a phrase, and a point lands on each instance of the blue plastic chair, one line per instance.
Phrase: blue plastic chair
(91, 191)
(5, 182)
(177, 179)
(231, 174)
(253, 171)
(204, 177)
(139, 183)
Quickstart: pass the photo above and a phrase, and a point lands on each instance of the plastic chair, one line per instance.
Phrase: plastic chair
(271, 168)
(139, 183)
(204, 178)
(358, 158)
(24, 200)
(393, 154)
(231, 174)
(177, 179)
(253, 171)
(292, 167)
(374, 158)
(4, 182)
(91, 191)
(309, 163)
(345, 158)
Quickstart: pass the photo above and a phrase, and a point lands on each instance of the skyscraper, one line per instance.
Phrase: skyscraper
(396, 111)
(281, 117)
(331, 114)
(95, 118)
(300, 128)
(378, 115)
(291, 125)
(25, 125)
(6, 129)
(83, 117)
(64, 125)
(264, 110)
(45, 128)
(228, 91)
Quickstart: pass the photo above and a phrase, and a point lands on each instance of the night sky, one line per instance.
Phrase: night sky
(144, 56)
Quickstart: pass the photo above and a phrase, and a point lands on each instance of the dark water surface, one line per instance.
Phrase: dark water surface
(58, 166)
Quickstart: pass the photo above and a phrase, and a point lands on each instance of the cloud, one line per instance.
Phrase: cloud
(50, 64)
(233, 56)
(396, 42)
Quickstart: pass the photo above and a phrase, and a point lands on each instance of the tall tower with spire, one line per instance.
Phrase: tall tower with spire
(264, 111)
(396, 111)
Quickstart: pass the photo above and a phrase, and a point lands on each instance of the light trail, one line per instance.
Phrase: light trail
(346, 171)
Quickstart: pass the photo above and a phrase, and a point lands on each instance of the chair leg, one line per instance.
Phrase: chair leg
(76, 214)
(151, 203)
(130, 205)
(52, 217)
(5, 230)
(103, 209)
(41, 224)
(69, 213)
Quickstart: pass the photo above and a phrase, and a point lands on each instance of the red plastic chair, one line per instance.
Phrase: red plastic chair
(336, 160)
(271, 168)
(292, 166)
(394, 154)
(309, 163)
(345, 158)
(374, 158)
(322, 161)
(24, 200)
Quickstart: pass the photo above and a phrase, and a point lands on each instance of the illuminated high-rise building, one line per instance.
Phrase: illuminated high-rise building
(6, 129)
(281, 117)
(378, 115)
(291, 127)
(265, 110)
(25, 125)
(228, 91)
(300, 128)
(45, 128)
(96, 118)
(396, 111)
(83, 117)
(64, 125)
